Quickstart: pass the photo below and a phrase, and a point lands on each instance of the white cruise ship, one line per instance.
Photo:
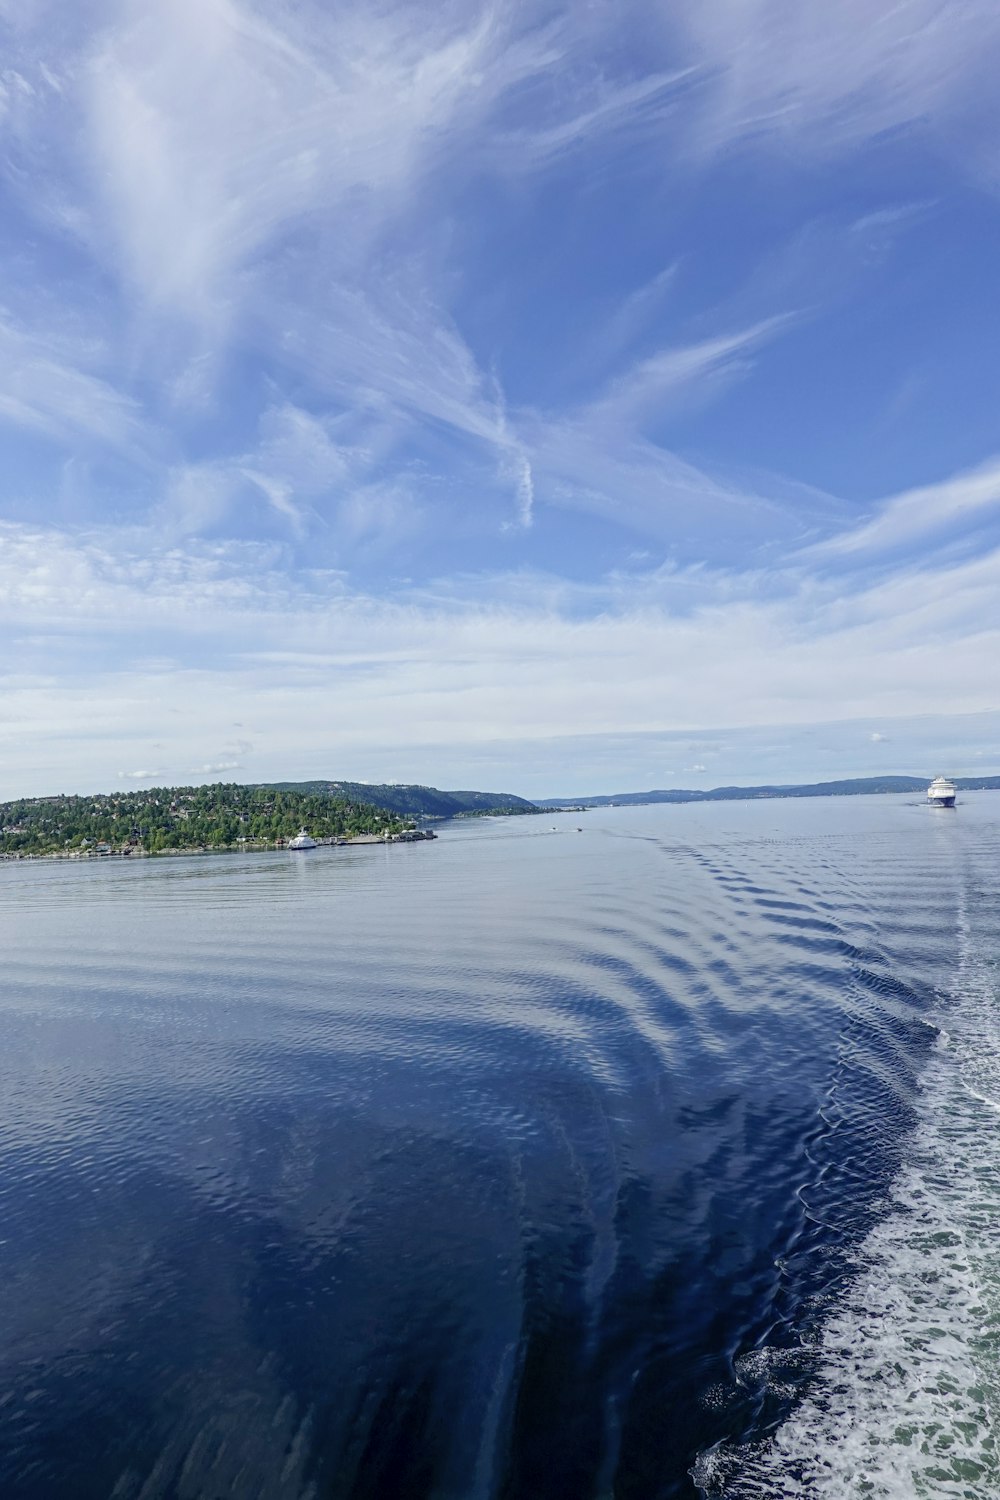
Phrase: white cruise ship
(941, 792)
(302, 841)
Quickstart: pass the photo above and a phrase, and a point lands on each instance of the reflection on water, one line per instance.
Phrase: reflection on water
(515, 1165)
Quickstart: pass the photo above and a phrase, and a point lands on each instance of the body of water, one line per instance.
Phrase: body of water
(659, 1159)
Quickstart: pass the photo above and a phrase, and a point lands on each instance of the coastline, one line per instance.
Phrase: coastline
(409, 836)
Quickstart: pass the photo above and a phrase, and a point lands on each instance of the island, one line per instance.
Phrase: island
(191, 820)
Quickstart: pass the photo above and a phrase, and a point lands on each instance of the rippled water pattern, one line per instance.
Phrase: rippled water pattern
(656, 1160)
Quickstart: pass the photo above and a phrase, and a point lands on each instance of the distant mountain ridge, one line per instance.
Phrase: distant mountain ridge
(857, 787)
(408, 799)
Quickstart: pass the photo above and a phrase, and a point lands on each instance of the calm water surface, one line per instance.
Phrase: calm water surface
(656, 1160)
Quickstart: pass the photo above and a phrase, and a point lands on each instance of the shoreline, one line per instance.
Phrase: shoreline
(410, 836)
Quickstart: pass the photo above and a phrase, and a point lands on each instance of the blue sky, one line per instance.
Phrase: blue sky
(561, 398)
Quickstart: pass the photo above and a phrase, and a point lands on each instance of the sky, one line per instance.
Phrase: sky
(559, 399)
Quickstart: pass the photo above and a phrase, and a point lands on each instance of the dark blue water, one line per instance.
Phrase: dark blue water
(648, 1161)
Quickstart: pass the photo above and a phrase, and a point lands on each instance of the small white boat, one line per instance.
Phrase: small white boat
(302, 841)
(941, 792)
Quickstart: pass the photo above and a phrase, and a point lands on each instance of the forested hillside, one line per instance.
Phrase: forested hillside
(203, 817)
(411, 800)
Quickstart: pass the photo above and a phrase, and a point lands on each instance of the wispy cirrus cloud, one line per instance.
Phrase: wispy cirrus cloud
(198, 135)
(46, 387)
(928, 511)
(196, 142)
(186, 147)
(688, 371)
(823, 79)
(586, 466)
(188, 150)
(634, 108)
(378, 343)
(280, 120)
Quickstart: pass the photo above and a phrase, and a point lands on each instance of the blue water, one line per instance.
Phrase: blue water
(654, 1160)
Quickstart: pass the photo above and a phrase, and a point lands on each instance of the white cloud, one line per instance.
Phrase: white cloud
(307, 452)
(621, 475)
(278, 495)
(270, 195)
(649, 388)
(121, 585)
(186, 146)
(378, 513)
(931, 510)
(140, 775)
(396, 355)
(216, 131)
(45, 387)
(181, 646)
(636, 107)
(635, 312)
(199, 496)
(821, 79)
(197, 135)
(190, 149)
(388, 349)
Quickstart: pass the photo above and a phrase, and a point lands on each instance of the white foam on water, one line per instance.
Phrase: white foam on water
(905, 1403)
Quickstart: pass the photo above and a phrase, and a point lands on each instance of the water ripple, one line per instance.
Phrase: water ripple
(647, 1163)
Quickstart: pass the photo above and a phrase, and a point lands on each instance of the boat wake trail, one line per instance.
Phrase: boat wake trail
(905, 1400)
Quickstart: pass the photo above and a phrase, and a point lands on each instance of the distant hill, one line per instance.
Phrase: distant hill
(412, 801)
(858, 787)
